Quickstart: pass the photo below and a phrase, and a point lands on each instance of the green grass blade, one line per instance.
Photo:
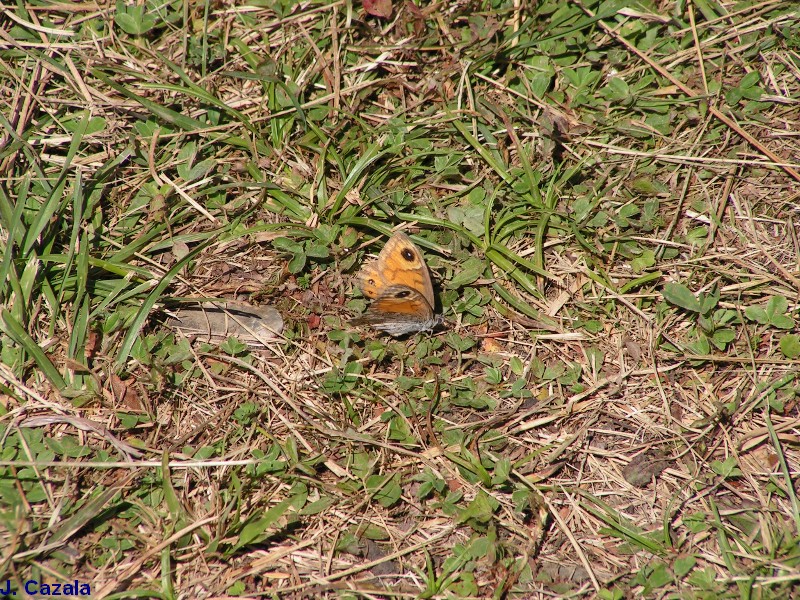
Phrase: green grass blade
(149, 302)
(14, 330)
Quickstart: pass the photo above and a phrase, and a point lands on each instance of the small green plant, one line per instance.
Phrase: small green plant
(713, 325)
(774, 314)
(748, 89)
(301, 252)
(135, 19)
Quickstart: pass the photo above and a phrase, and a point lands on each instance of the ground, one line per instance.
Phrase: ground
(606, 196)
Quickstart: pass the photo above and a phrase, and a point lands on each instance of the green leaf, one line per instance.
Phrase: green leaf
(697, 522)
(470, 217)
(723, 337)
(612, 594)
(386, 489)
(480, 511)
(493, 375)
(15, 331)
(682, 566)
(616, 90)
(170, 497)
(237, 589)
(286, 245)
(749, 80)
(502, 469)
(777, 305)
(200, 170)
(679, 295)
(317, 250)
(581, 208)
(645, 261)
(783, 322)
(133, 334)
(599, 219)
(709, 301)
(773, 314)
(516, 366)
(699, 346)
(469, 272)
(697, 236)
(134, 20)
(790, 345)
(318, 506)
(756, 313)
(297, 263)
(726, 468)
(659, 577)
(704, 579)
(733, 96)
(255, 529)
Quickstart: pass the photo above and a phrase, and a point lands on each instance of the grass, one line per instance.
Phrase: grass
(606, 194)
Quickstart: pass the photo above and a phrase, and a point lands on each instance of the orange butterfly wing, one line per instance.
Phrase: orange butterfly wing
(399, 263)
(400, 285)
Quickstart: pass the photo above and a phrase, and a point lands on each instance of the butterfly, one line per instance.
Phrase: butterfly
(400, 286)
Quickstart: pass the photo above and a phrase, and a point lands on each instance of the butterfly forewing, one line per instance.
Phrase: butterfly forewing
(401, 287)
(399, 263)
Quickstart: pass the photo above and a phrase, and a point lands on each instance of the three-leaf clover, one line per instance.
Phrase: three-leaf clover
(773, 314)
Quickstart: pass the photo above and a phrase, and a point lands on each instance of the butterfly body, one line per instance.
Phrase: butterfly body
(401, 289)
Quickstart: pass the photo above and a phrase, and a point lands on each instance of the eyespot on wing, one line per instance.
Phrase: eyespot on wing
(398, 311)
(400, 262)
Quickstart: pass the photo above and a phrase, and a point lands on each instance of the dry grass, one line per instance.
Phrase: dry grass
(607, 200)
